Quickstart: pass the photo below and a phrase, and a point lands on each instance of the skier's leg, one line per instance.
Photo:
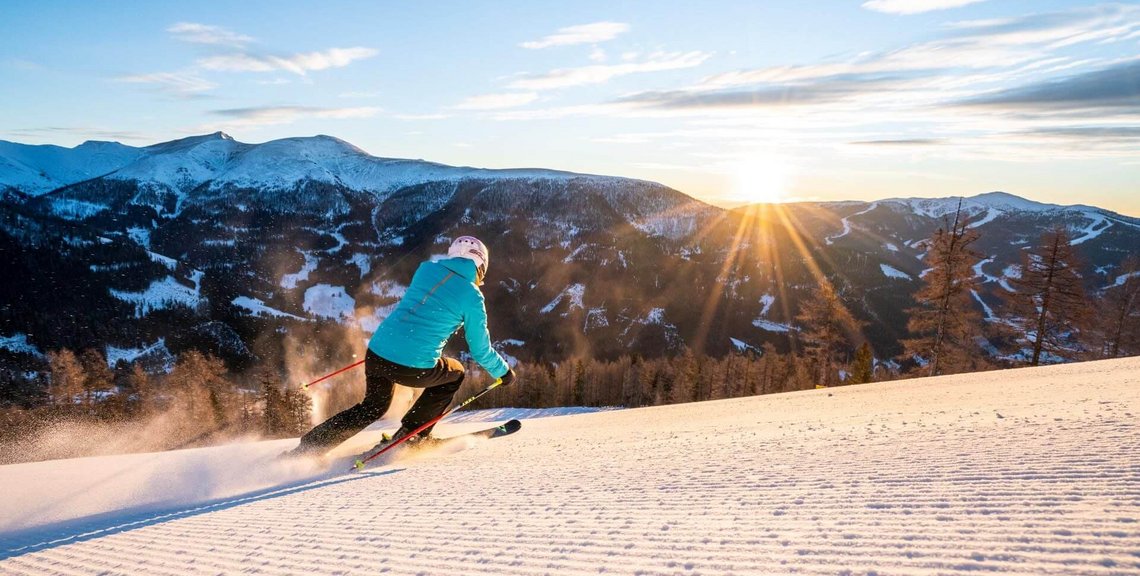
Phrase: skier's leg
(440, 385)
(377, 398)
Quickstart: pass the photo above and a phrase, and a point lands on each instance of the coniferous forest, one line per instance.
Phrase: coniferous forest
(84, 407)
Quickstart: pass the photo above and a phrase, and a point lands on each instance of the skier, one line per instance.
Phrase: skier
(407, 349)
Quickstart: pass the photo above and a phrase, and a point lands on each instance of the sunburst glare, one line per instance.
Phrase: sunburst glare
(761, 179)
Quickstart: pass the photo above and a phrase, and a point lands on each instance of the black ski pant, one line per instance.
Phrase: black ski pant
(440, 383)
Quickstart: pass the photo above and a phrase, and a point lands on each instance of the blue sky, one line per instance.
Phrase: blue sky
(728, 101)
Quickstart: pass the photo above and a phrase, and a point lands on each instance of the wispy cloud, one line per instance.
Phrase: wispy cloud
(901, 142)
(978, 89)
(978, 58)
(829, 90)
(177, 84)
(272, 115)
(582, 34)
(21, 64)
(497, 101)
(359, 94)
(230, 52)
(1105, 23)
(298, 64)
(52, 132)
(418, 117)
(1113, 87)
(195, 33)
(600, 73)
(915, 6)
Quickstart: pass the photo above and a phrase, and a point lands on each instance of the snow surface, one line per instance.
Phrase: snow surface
(1099, 223)
(989, 312)
(161, 294)
(18, 343)
(39, 169)
(991, 215)
(573, 294)
(1030, 472)
(259, 308)
(289, 281)
(762, 322)
(766, 302)
(892, 272)
(1122, 279)
(114, 354)
(326, 301)
(771, 326)
(847, 224)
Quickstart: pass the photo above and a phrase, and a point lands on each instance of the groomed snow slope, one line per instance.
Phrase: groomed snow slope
(1033, 471)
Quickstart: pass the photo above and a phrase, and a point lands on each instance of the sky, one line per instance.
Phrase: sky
(728, 101)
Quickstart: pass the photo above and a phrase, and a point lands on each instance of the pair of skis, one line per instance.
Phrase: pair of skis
(508, 428)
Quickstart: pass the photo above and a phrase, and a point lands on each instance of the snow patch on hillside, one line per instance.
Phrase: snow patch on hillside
(595, 318)
(363, 262)
(1122, 279)
(762, 322)
(979, 271)
(989, 312)
(846, 221)
(333, 302)
(991, 215)
(161, 295)
(19, 344)
(170, 263)
(259, 308)
(771, 326)
(72, 209)
(572, 294)
(289, 281)
(389, 289)
(766, 302)
(140, 236)
(1099, 223)
(128, 355)
(892, 272)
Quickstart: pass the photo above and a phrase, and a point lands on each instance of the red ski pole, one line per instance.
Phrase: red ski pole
(396, 442)
(327, 376)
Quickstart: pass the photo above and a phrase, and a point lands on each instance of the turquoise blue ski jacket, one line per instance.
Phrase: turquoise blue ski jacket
(441, 298)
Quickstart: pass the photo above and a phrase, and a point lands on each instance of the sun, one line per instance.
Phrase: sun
(761, 179)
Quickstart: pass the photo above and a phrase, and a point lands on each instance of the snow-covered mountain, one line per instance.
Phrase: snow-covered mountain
(35, 170)
(1036, 475)
(300, 246)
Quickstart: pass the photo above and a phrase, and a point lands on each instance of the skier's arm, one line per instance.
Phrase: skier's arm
(479, 339)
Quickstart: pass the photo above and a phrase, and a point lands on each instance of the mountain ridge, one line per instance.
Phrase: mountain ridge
(248, 251)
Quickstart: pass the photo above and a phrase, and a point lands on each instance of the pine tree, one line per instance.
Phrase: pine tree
(206, 395)
(67, 377)
(828, 330)
(1050, 297)
(863, 369)
(273, 417)
(946, 322)
(298, 409)
(97, 376)
(1120, 306)
(140, 383)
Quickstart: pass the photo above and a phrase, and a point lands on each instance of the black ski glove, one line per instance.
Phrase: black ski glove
(508, 377)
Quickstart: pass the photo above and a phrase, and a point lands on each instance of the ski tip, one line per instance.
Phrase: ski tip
(358, 465)
(511, 426)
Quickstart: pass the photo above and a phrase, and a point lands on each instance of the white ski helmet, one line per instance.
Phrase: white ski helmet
(471, 248)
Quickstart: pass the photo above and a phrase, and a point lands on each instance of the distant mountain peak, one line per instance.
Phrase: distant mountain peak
(1007, 201)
